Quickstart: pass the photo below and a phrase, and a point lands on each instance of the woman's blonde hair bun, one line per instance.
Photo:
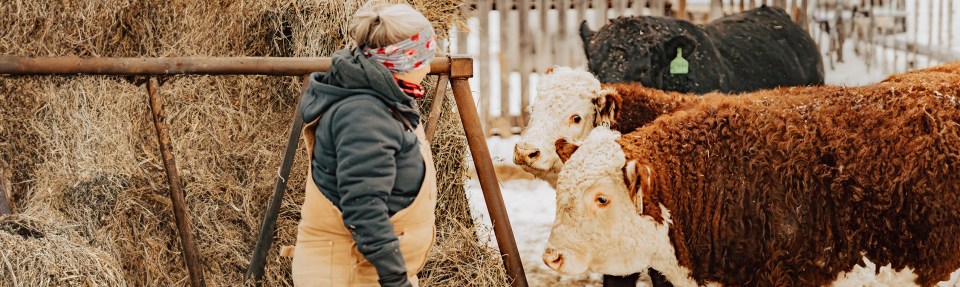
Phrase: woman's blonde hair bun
(380, 25)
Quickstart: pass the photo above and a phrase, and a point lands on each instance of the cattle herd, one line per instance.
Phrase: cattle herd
(732, 177)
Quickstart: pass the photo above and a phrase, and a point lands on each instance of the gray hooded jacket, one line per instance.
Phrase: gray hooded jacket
(365, 161)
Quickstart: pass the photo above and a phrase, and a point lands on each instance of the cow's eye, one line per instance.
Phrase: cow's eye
(602, 201)
(575, 119)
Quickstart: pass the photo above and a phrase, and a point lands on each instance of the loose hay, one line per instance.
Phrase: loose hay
(34, 252)
(85, 158)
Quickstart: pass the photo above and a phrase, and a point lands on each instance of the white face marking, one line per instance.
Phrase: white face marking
(564, 109)
(607, 235)
(954, 280)
(868, 275)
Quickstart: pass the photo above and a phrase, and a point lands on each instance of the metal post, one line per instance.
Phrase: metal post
(437, 107)
(6, 195)
(269, 225)
(461, 69)
(189, 246)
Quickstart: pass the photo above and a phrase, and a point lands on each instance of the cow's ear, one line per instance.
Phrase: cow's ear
(607, 107)
(684, 41)
(585, 34)
(639, 179)
(565, 149)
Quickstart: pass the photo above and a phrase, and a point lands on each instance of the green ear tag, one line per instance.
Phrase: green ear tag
(679, 65)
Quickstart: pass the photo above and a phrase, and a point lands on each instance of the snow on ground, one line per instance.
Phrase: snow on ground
(853, 71)
(531, 208)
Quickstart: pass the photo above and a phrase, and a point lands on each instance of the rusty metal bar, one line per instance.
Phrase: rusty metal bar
(259, 259)
(273, 66)
(437, 106)
(187, 243)
(6, 195)
(461, 69)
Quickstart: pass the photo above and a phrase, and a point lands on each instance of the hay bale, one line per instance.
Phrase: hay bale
(35, 252)
(85, 154)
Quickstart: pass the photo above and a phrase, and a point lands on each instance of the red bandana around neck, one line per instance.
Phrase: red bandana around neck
(414, 90)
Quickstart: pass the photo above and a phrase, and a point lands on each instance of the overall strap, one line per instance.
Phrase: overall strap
(397, 116)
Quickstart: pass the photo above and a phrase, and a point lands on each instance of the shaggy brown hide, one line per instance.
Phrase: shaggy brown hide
(640, 106)
(793, 186)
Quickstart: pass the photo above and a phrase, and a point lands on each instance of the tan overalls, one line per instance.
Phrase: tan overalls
(325, 253)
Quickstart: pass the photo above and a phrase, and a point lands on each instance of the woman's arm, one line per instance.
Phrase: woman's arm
(367, 139)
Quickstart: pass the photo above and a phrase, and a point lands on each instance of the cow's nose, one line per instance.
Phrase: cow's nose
(524, 153)
(553, 258)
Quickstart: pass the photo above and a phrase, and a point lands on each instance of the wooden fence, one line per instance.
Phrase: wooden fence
(891, 36)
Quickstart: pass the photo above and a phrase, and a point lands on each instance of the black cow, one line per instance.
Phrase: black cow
(757, 49)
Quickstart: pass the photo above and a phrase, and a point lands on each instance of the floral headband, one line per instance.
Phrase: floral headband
(408, 54)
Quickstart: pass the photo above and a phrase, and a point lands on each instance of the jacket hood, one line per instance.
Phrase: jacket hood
(353, 73)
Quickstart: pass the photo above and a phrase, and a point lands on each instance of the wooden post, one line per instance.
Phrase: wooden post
(190, 254)
(544, 54)
(916, 35)
(566, 43)
(939, 27)
(639, 5)
(506, 63)
(619, 7)
(753, 4)
(794, 8)
(930, 32)
(599, 13)
(483, 14)
(657, 7)
(682, 10)
(804, 16)
(716, 9)
(578, 57)
(950, 13)
(526, 52)
(6, 195)
(461, 70)
(892, 9)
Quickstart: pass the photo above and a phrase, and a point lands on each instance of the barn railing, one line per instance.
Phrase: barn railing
(890, 35)
(456, 70)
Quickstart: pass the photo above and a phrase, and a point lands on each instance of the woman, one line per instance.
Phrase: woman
(368, 215)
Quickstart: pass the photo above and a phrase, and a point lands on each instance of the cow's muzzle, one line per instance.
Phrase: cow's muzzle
(524, 154)
(553, 259)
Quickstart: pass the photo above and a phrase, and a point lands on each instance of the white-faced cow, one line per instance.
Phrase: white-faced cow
(789, 187)
(757, 49)
(571, 102)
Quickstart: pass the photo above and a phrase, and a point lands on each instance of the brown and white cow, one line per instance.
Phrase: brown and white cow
(797, 186)
(614, 216)
(790, 187)
(571, 102)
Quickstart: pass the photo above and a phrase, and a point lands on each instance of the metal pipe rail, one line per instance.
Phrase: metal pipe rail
(271, 66)
(455, 69)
